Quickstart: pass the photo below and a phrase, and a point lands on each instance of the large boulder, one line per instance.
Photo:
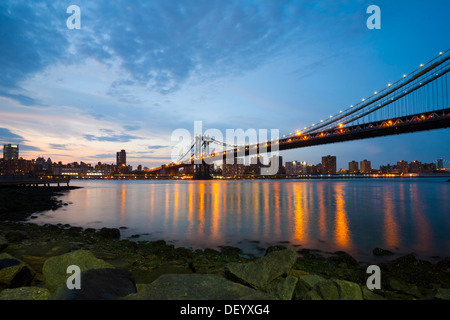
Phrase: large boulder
(335, 290)
(305, 284)
(25, 293)
(197, 287)
(404, 287)
(99, 284)
(282, 288)
(109, 233)
(3, 243)
(14, 272)
(55, 268)
(260, 272)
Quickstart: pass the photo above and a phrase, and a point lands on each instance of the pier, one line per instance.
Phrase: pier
(33, 182)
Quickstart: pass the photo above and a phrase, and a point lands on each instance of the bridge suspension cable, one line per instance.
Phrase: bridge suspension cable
(424, 70)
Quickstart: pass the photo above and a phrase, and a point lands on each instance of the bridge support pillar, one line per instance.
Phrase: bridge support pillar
(202, 172)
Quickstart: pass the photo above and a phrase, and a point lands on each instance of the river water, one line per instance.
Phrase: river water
(355, 215)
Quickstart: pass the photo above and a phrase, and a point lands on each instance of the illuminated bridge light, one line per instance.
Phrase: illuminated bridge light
(341, 111)
(321, 120)
(331, 117)
(421, 65)
(441, 53)
(375, 92)
(404, 76)
(389, 84)
(363, 99)
(341, 125)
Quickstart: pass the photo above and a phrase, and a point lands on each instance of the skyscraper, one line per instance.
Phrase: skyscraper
(353, 167)
(366, 166)
(121, 158)
(10, 152)
(329, 164)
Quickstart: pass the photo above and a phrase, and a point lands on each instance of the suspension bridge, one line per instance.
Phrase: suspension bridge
(418, 101)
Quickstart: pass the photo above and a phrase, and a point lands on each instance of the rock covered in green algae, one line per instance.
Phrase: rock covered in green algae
(25, 293)
(55, 268)
(260, 272)
(197, 287)
(282, 288)
(14, 272)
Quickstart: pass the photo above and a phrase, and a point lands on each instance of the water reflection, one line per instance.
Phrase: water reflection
(354, 216)
(342, 230)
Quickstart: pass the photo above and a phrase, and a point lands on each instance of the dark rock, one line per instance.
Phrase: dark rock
(13, 272)
(212, 252)
(405, 260)
(157, 243)
(99, 284)
(230, 251)
(75, 231)
(3, 244)
(441, 294)
(55, 268)
(90, 230)
(16, 236)
(109, 233)
(381, 252)
(343, 257)
(274, 248)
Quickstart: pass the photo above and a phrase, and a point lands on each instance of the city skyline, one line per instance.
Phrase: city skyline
(81, 95)
(328, 164)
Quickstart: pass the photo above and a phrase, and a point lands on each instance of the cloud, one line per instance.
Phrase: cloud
(157, 147)
(30, 41)
(24, 147)
(111, 137)
(58, 146)
(156, 45)
(7, 137)
(131, 128)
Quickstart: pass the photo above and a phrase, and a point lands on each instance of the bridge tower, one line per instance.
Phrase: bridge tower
(201, 148)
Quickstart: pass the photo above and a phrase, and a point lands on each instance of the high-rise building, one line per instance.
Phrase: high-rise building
(11, 152)
(366, 166)
(329, 164)
(292, 168)
(440, 163)
(402, 166)
(121, 158)
(353, 167)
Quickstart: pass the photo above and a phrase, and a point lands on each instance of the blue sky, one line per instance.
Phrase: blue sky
(138, 70)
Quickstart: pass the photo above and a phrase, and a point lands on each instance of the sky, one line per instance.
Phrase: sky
(136, 71)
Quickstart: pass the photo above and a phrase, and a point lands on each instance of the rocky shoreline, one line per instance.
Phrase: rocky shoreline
(34, 261)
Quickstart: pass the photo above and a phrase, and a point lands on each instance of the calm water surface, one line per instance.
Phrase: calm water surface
(403, 215)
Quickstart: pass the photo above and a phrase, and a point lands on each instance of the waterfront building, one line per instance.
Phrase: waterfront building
(236, 169)
(329, 164)
(366, 167)
(10, 152)
(353, 167)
